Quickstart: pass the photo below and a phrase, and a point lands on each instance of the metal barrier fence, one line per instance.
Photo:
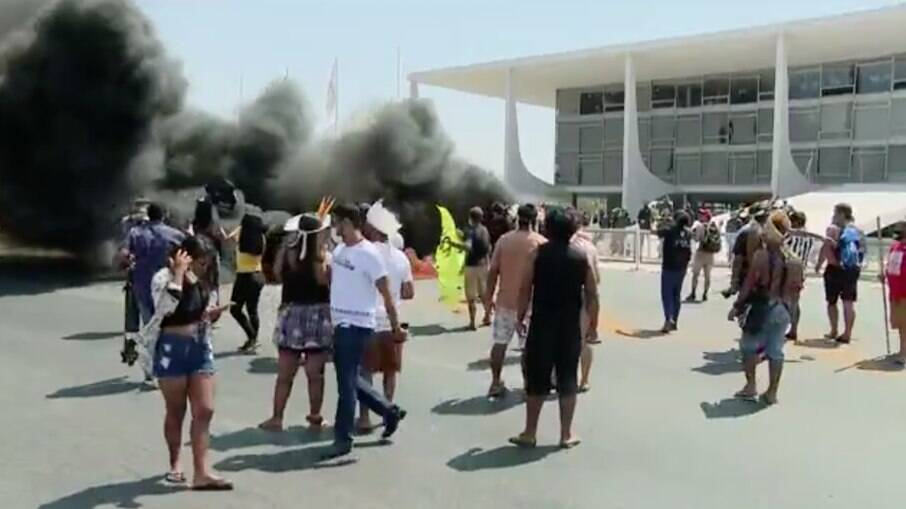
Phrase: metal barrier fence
(644, 247)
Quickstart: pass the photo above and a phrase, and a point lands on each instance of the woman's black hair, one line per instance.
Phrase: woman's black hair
(251, 235)
(204, 215)
(192, 245)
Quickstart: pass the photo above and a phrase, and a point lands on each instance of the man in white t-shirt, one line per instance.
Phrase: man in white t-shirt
(385, 354)
(359, 281)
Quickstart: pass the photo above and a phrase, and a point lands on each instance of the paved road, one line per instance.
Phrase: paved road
(658, 429)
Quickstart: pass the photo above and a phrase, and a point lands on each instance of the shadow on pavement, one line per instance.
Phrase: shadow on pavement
(480, 405)
(253, 437)
(109, 387)
(263, 366)
(92, 336)
(123, 494)
(22, 275)
(229, 353)
(485, 364)
(720, 363)
(506, 456)
(883, 364)
(821, 344)
(730, 408)
(309, 458)
(641, 334)
(434, 330)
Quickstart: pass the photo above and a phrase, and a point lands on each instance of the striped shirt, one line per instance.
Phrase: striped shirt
(801, 244)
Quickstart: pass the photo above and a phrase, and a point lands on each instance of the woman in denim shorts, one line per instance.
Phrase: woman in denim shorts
(183, 357)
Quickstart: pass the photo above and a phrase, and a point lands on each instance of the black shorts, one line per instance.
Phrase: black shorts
(547, 352)
(841, 284)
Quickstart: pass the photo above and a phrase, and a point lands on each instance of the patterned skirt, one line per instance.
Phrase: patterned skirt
(304, 327)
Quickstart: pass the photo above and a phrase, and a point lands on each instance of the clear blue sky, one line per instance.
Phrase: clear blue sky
(219, 40)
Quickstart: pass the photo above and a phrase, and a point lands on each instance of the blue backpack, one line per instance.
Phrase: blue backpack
(849, 249)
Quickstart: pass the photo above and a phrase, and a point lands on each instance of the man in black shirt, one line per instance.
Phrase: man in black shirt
(478, 250)
(677, 250)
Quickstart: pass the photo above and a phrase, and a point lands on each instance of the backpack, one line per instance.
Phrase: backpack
(849, 249)
(712, 241)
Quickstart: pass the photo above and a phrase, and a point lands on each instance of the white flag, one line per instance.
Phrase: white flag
(331, 103)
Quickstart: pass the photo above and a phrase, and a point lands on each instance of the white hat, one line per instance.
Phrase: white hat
(382, 219)
(292, 224)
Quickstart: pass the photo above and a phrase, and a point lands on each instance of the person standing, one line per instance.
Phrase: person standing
(746, 243)
(583, 241)
(148, 247)
(385, 353)
(843, 253)
(707, 235)
(801, 243)
(249, 279)
(677, 250)
(206, 226)
(559, 279)
(505, 277)
(499, 223)
(358, 281)
(774, 280)
(478, 249)
(303, 326)
(895, 273)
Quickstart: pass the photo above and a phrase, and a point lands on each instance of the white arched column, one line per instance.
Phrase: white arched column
(413, 90)
(639, 185)
(516, 176)
(786, 179)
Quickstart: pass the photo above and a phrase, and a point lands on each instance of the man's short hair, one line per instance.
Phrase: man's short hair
(476, 214)
(798, 219)
(560, 224)
(155, 212)
(349, 211)
(527, 214)
(844, 209)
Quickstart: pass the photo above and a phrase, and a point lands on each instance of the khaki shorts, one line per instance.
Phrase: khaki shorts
(702, 260)
(476, 281)
(898, 314)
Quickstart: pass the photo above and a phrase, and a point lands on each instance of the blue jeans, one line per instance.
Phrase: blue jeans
(349, 347)
(671, 290)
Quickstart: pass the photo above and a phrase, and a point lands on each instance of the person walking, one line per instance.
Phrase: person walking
(358, 280)
(303, 327)
(180, 329)
(747, 241)
(249, 278)
(801, 243)
(385, 353)
(707, 236)
(775, 278)
(844, 253)
(583, 240)
(558, 283)
(478, 249)
(677, 250)
(508, 265)
(895, 272)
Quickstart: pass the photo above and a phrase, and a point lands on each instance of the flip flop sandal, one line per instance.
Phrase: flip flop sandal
(572, 442)
(584, 388)
(765, 401)
(175, 478)
(218, 485)
(523, 442)
(746, 396)
(498, 391)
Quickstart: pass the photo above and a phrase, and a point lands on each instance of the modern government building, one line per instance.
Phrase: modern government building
(726, 117)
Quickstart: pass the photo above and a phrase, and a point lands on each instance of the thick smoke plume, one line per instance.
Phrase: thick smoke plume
(91, 116)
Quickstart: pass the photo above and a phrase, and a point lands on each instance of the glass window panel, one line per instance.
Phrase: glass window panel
(744, 90)
(591, 138)
(742, 129)
(643, 98)
(716, 87)
(568, 102)
(662, 128)
(763, 169)
(662, 163)
(613, 131)
(833, 162)
(613, 168)
(805, 83)
(715, 169)
(663, 96)
(591, 171)
(689, 169)
(806, 161)
(613, 100)
(715, 128)
(567, 138)
(872, 124)
(836, 120)
(837, 78)
(899, 68)
(591, 103)
(869, 164)
(874, 78)
(644, 133)
(742, 168)
(803, 124)
(567, 169)
(898, 116)
(689, 131)
(896, 163)
(766, 84)
(765, 123)
(689, 95)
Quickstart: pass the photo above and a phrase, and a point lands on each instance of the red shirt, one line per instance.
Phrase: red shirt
(896, 271)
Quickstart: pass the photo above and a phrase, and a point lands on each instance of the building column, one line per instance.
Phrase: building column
(413, 90)
(786, 179)
(639, 185)
(516, 176)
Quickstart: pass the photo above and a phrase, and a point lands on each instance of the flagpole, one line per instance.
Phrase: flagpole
(883, 284)
(336, 110)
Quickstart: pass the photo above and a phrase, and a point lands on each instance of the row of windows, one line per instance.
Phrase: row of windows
(877, 76)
